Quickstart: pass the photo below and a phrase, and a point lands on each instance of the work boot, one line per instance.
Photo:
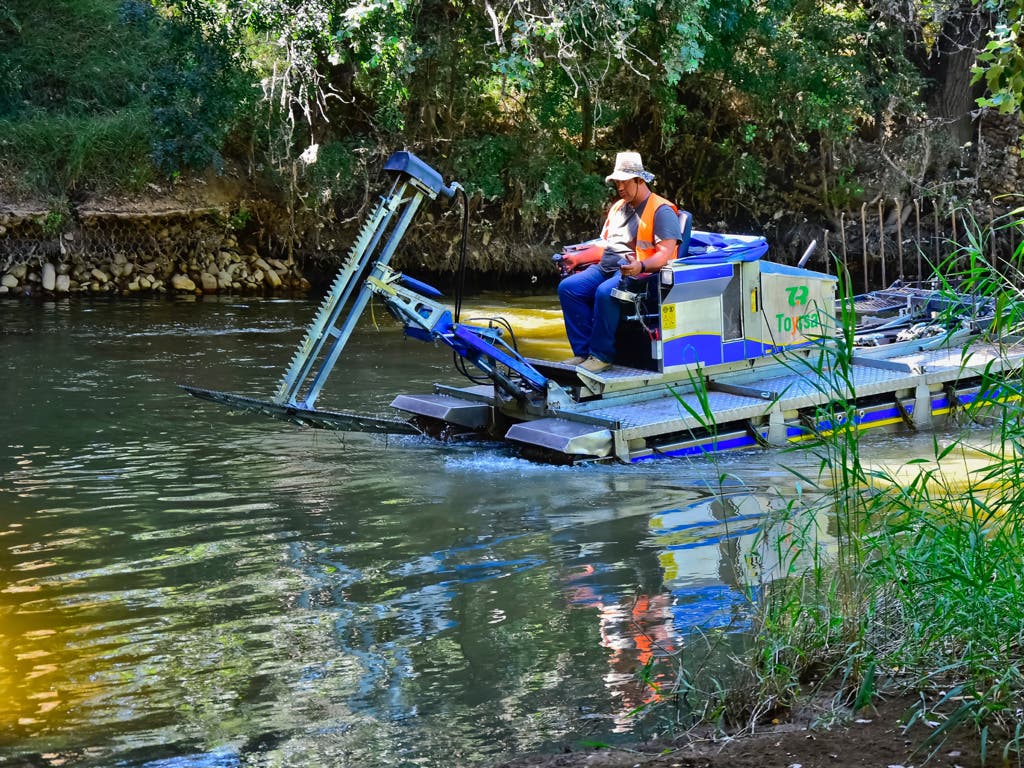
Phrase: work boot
(574, 361)
(594, 365)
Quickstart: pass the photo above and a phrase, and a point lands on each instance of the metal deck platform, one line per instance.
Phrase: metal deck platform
(908, 387)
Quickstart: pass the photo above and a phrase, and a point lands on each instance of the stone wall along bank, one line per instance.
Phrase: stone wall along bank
(44, 254)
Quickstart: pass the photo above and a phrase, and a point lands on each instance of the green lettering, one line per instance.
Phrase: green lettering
(797, 294)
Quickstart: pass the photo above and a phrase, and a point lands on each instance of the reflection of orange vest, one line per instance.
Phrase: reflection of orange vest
(645, 247)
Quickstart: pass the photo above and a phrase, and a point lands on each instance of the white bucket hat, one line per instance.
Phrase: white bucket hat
(629, 166)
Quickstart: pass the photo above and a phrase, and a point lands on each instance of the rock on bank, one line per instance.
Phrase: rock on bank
(201, 251)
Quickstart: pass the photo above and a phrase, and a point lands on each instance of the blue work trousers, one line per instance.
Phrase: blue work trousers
(591, 314)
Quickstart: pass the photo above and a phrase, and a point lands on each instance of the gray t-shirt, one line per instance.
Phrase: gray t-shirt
(620, 239)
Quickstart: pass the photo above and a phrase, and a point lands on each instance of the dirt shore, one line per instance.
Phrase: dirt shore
(875, 737)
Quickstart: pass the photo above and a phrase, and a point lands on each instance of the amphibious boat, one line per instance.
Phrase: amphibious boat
(720, 350)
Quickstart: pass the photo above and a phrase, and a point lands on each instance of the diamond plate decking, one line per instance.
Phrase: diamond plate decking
(646, 406)
(669, 413)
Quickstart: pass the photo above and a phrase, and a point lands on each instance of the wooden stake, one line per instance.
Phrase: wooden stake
(864, 240)
(917, 218)
(899, 236)
(881, 242)
(828, 257)
(842, 232)
(992, 235)
(954, 246)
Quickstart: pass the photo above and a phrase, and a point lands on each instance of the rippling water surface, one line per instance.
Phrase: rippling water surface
(184, 586)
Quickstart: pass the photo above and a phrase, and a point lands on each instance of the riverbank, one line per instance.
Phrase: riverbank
(814, 737)
(193, 250)
(207, 242)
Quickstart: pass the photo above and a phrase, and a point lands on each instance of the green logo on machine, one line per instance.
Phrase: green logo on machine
(797, 294)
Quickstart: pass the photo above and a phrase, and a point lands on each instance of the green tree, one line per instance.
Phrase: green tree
(202, 88)
(1000, 65)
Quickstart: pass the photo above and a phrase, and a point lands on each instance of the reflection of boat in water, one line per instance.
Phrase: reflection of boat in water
(715, 553)
(712, 584)
(720, 350)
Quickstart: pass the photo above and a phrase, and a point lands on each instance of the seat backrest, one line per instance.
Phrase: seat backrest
(686, 227)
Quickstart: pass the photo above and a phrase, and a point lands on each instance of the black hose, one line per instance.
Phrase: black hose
(460, 269)
(460, 289)
(499, 321)
(460, 285)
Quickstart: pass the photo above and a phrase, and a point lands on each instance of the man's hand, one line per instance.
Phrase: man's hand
(664, 252)
(630, 269)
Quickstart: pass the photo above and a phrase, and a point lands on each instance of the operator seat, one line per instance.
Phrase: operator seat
(686, 227)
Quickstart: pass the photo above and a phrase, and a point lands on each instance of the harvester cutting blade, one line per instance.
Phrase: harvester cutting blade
(310, 417)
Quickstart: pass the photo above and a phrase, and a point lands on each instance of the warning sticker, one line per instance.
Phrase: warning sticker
(668, 316)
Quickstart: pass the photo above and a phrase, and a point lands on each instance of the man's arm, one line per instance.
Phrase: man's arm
(664, 252)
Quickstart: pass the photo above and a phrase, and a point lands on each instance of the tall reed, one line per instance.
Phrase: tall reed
(922, 591)
(927, 581)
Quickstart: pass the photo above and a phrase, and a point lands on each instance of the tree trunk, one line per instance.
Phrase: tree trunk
(963, 35)
(587, 119)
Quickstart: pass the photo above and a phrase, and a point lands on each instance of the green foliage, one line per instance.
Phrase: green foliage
(924, 589)
(485, 162)
(199, 90)
(375, 36)
(72, 57)
(562, 188)
(62, 153)
(782, 79)
(683, 51)
(1001, 65)
(7, 17)
(239, 220)
(725, 98)
(123, 89)
(845, 192)
(56, 218)
(551, 183)
(340, 174)
(368, 44)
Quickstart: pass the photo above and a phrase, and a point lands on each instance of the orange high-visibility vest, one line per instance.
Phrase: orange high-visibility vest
(645, 247)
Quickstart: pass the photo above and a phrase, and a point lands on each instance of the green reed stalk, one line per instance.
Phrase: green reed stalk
(927, 581)
(923, 590)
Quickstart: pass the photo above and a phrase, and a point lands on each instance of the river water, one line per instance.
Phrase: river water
(181, 585)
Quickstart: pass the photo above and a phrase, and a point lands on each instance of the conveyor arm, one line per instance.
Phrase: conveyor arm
(329, 330)
(365, 273)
